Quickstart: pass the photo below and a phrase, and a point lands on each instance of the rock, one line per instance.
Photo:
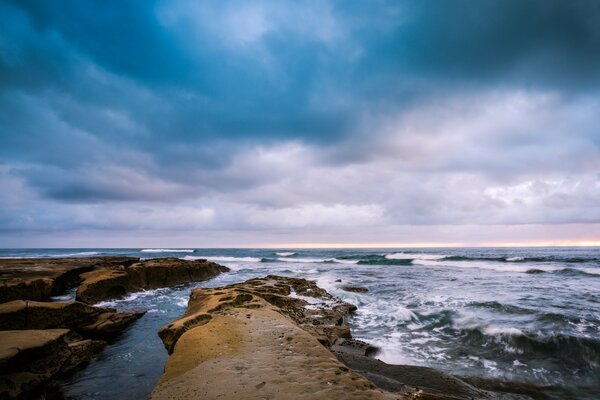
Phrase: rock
(113, 282)
(40, 278)
(429, 382)
(88, 321)
(354, 288)
(31, 358)
(261, 339)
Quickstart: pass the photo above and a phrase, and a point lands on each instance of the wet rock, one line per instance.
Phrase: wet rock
(430, 383)
(31, 358)
(89, 321)
(113, 282)
(354, 288)
(40, 278)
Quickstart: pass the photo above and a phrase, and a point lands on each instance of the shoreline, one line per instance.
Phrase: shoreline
(353, 354)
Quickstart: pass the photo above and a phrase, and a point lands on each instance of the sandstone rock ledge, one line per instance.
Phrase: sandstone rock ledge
(115, 281)
(40, 278)
(275, 338)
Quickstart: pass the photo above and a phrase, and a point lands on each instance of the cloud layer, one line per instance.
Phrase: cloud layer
(237, 123)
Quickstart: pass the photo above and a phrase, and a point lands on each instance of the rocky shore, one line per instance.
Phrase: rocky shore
(41, 340)
(285, 338)
(266, 338)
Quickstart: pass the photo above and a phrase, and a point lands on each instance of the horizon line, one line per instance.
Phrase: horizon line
(583, 243)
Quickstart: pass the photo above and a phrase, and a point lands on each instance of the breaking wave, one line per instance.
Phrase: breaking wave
(167, 251)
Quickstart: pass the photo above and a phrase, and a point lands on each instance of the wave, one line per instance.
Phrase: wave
(233, 259)
(316, 260)
(374, 259)
(286, 254)
(167, 251)
(414, 256)
(505, 308)
(594, 272)
(79, 254)
(385, 261)
(571, 260)
(579, 353)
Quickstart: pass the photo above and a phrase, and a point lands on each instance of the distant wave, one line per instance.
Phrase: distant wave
(232, 259)
(570, 260)
(318, 260)
(286, 254)
(579, 272)
(167, 251)
(79, 254)
(414, 256)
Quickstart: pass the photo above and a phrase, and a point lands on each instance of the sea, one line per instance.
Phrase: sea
(518, 314)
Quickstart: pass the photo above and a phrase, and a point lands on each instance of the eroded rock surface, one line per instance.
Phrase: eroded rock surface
(40, 278)
(31, 358)
(88, 321)
(275, 338)
(115, 281)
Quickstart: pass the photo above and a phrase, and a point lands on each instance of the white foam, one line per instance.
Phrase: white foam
(167, 251)
(499, 330)
(489, 364)
(337, 260)
(513, 259)
(593, 271)
(413, 256)
(286, 254)
(491, 265)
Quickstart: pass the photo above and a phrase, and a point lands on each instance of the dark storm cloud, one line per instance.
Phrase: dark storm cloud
(245, 107)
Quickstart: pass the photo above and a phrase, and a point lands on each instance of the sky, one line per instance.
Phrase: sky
(308, 123)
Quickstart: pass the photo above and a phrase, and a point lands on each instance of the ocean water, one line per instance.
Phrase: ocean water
(520, 314)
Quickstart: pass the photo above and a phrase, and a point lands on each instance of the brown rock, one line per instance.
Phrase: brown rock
(113, 282)
(40, 278)
(31, 358)
(89, 321)
(260, 339)
(354, 288)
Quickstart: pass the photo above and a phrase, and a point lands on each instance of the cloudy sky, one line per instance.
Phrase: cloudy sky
(237, 123)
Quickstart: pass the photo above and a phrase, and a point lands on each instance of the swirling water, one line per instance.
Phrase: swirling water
(522, 314)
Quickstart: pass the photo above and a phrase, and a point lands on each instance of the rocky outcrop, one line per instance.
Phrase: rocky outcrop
(88, 321)
(97, 278)
(279, 337)
(41, 341)
(31, 358)
(113, 282)
(40, 278)
(260, 339)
